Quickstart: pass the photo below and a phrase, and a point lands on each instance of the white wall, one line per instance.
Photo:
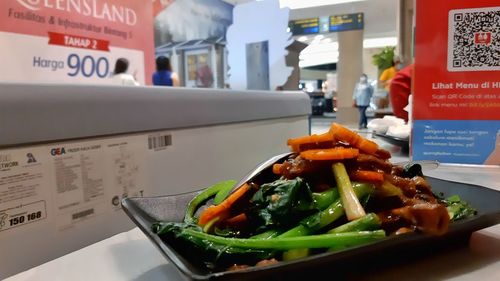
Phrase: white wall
(256, 22)
(368, 67)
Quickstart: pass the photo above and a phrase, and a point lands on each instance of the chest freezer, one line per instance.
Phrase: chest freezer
(69, 154)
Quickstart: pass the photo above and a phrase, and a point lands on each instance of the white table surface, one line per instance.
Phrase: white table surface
(131, 256)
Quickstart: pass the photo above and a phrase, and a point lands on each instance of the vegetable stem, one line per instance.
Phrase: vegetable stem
(369, 222)
(324, 199)
(266, 235)
(204, 196)
(223, 193)
(327, 216)
(223, 209)
(312, 241)
(350, 202)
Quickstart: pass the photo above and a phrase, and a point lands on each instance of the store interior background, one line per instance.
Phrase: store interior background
(337, 58)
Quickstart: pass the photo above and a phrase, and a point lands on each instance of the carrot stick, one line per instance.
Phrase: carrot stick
(223, 210)
(312, 139)
(277, 169)
(367, 146)
(237, 221)
(367, 176)
(383, 154)
(343, 134)
(337, 153)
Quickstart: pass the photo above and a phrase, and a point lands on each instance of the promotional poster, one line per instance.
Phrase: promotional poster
(192, 34)
(456, 103)
(75, 41)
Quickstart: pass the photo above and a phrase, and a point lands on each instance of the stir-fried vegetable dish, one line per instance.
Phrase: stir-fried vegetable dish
(336, 190)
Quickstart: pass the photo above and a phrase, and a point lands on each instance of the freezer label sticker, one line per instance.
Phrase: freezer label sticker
(159, 141)
(22, 215)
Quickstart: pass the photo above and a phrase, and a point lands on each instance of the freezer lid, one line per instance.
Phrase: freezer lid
(31, 113)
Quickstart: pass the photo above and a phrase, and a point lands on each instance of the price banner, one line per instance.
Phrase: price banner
(66, 41)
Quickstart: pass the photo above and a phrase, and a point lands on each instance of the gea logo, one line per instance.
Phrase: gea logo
(57, 151)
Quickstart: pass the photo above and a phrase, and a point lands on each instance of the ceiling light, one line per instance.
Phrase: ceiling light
(300, 4)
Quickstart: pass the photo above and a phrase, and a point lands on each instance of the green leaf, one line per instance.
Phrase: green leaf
(384, 58)
(457, 208)
(281, 203)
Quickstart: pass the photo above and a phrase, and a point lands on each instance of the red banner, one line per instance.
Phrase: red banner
(75, 41)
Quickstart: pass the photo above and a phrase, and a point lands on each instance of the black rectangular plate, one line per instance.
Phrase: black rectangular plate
(144, 211)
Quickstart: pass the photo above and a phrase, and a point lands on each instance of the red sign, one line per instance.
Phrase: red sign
(456, 89)
(456, 64)
(76, 41)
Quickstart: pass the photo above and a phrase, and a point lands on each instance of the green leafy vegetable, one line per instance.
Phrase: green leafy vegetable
(458, 209)
(212, 253)
(281, 203)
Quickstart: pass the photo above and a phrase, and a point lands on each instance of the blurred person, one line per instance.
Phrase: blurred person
(388, 74)
(120, 74)
(362, 96)
(164, 76)
(204, 77)
(400, 91)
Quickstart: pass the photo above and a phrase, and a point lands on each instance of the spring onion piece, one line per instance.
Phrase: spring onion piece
(350, 202)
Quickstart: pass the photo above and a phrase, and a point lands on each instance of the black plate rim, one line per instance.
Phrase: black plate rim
(175, 259)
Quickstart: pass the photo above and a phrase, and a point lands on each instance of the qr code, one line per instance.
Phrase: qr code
(474, 39)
